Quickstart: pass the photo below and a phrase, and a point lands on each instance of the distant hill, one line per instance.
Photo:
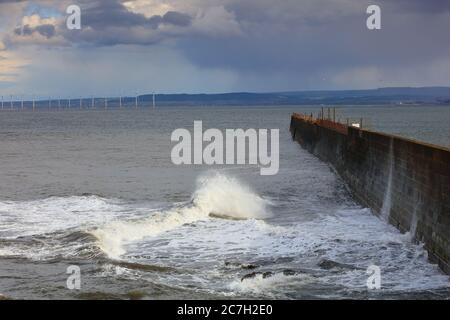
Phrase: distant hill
(400, 95)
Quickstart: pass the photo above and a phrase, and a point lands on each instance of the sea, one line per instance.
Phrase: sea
(96, 190)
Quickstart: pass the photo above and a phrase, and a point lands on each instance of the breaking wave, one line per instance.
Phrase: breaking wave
(217, 195)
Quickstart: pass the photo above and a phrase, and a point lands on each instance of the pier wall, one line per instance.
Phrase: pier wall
(406, 181)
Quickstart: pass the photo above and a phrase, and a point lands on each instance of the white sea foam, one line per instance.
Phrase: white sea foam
(268, 285)
(353, 237)
(27, 218)
(216, 194)
(52, 220)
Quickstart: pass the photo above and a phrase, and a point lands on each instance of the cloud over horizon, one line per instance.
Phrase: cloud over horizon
(222, 45)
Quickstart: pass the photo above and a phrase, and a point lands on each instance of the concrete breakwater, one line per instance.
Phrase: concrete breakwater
(405, 181)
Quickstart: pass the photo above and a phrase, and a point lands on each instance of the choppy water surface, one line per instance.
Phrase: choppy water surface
(97, 189)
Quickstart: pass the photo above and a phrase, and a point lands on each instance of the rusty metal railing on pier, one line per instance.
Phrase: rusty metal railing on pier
(330, 124)
(328, 118)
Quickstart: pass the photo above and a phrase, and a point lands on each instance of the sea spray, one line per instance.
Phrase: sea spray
(413, 226)
(226, 196)
(265, 285)
(216, 195)
(387, 202)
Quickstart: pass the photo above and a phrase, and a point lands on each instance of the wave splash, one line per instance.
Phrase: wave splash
(217, 195)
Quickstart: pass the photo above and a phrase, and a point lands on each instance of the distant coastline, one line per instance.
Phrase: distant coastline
(381, 96)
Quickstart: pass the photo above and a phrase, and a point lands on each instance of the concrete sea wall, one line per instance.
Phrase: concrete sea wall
(405, 181)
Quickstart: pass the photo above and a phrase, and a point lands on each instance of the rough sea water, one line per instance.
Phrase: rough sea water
(97, 189)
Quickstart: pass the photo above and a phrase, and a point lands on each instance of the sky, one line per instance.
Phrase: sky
(128, 47)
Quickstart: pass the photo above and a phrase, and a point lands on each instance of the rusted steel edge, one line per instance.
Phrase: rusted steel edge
(336, 126)
(342, 128)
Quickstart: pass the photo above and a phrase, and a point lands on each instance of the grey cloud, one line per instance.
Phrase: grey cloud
(108, 13)
(46, 30)
(289, 44)
(311, 43)
(176, 18)
(115, 14)
(419, 6)
(109, 23)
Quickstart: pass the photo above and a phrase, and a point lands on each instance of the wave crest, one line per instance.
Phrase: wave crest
(227, 197)
(216, 195)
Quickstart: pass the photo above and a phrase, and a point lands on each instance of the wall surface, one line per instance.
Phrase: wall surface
(405, 181)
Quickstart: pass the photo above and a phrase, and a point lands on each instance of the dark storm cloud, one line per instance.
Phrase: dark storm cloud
(46, 30)
(108, 23)
(263, 44)
(318, 40)
(107, 13)
(177, 19)
(114, 13)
